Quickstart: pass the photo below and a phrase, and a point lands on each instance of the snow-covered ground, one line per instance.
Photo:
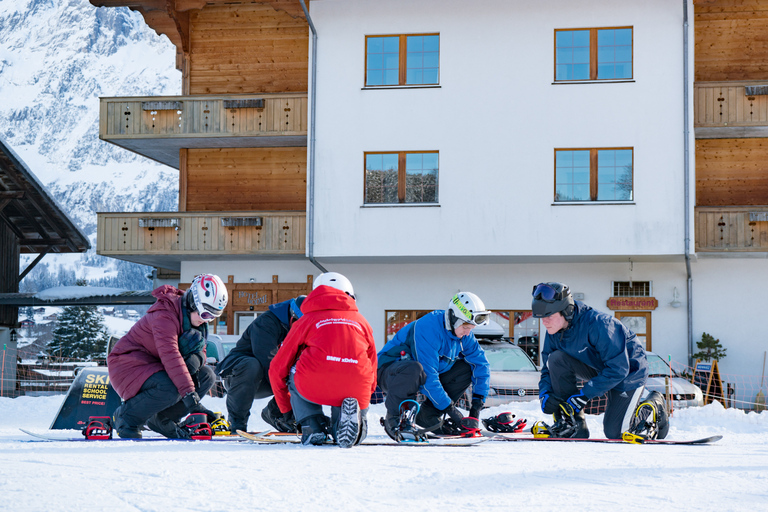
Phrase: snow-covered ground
(729, 475)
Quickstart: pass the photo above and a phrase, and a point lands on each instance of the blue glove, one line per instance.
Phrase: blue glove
(549, 404)
(577, 402)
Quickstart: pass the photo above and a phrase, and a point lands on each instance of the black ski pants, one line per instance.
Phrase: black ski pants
(247, 381)
(158, 395)
(401, 381)
(565, 371)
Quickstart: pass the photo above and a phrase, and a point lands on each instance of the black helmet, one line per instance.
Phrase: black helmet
(551, 298)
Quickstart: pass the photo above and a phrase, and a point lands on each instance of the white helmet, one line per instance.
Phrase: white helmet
(334, 280)
(209, 295)
(467, 308)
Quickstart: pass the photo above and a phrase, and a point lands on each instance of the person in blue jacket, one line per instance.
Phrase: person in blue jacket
(584, 344)
(438, 356)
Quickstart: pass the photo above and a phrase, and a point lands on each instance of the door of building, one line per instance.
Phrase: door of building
(638, 322)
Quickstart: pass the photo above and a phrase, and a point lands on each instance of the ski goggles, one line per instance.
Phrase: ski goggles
(546, 292)
(480, 318)
(208, 315)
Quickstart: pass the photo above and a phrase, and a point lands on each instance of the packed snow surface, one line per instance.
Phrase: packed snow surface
(505, 476)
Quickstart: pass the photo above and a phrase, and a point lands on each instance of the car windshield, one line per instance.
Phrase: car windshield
(657, 367)
(227, 347)
(508, 359)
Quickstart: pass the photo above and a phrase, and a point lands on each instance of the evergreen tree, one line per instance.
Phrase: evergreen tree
(709, 348)
(80, 333)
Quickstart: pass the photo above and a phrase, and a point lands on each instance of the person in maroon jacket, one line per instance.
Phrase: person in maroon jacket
(328, 358)
(158, 368)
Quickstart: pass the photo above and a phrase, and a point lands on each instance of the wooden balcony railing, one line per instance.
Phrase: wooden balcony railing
(732, 229)
(728, 104)
(189, 234)
(233, 115)
(159, 127)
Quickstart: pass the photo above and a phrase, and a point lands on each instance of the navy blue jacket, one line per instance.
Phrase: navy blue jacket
(429, 341)
(261, 339)
(602, 342)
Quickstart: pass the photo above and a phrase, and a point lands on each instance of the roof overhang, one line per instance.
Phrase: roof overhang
(39, 223)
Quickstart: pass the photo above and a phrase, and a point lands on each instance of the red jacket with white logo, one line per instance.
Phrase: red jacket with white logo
(333, 351)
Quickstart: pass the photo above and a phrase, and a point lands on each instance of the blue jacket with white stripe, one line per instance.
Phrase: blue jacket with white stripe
(429, 341)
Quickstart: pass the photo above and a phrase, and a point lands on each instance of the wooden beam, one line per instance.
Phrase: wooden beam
(32, 265)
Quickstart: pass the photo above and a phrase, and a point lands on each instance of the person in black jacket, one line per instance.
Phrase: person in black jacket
(245, 370)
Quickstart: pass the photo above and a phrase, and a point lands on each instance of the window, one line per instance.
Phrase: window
(402, 60)
(593, 174)
(397, 319)
(631, 288)
(401, 177)
(593, 54)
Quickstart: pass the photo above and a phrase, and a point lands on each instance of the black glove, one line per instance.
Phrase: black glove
(194, 362)
(478, 402)
(191, 400)
(577, 402)
(286, 422)
(453, 414)
(549, 404)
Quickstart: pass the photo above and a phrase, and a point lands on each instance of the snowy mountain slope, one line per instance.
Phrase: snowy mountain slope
(57, 57)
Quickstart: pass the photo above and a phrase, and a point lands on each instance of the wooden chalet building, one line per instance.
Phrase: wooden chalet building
(424, 147)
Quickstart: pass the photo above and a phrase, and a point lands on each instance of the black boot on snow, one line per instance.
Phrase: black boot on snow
(651, 417)
(568, 425)
(282, 423)
(123, 430)
(348, 428)
(314, 430)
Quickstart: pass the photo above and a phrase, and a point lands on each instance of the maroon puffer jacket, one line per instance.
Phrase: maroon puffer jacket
(151, 346)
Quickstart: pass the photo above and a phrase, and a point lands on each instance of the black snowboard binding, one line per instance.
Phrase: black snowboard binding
(403, 428)
(567, 425)
(504, 423)
(98, 427)
(651, 420)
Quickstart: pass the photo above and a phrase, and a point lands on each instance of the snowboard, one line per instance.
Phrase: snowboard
(290, 438)
(524, 437)
(52, 437)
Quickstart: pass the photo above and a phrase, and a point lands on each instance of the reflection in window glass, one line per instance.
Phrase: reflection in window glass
(381, 178)
(383, 60)
(572, 55)
(421, 177)
(614, 175)
(423, 59)
(572, 175)
(614, 53)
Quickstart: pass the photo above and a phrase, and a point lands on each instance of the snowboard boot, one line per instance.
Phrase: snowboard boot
(363, 427)
(568, 425)
(163, 425)
(406, 425)
(272, 415)
(314, 430)
(348, 428)
(651, 418)
(195, 426)
(123, 430)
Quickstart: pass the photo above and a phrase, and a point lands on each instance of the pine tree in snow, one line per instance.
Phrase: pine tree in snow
(80, 334)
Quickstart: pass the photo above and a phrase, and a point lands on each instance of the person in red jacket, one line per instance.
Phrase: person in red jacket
(328, 358)
(158, 368)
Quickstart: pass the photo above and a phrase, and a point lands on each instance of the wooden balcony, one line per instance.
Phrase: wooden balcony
(159, 126)
(165, 239)
(730, 109)
(732, 229)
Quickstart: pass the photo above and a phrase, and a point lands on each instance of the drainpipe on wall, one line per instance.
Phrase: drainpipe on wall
(312, 97)
(687, 171)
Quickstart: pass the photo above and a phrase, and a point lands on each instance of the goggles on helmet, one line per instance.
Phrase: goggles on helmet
(210, 314)
(480, 317)
(546, 293)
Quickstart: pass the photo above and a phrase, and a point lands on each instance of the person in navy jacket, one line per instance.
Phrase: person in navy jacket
(438, 356)
(584, 344)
